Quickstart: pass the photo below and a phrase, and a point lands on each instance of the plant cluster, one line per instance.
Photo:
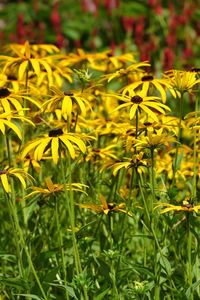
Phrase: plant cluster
(99, 177)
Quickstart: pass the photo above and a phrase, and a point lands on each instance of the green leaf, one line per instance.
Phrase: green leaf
(102, 294)
(30, 296)
(67, 288)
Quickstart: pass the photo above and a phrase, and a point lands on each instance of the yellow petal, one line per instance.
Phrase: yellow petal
(36, 66)
(78, 142)
(14, 128)
(69, 146)
(22, 69)
(54, 149)
(4, 180)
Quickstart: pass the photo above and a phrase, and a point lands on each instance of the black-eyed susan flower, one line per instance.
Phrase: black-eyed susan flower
(139, 101)
(54, 188)
(147, 83)
(133, 68)
(155, 139)
(96, 154)
(65, 101)
(185, 207)
(105, 207)
(6, 122)
(16, 173)
(137, 162)
(182, 81)
(55, 141)
(13, 100)
(24, 60)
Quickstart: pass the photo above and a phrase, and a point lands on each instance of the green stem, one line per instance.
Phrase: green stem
(195, 156)
(22, 242)
(152, 180)
(178, 140)
(60, 241)
(189, 257)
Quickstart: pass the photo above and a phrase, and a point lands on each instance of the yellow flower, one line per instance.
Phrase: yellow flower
(139, 101)
(105, 207)
(133, 68)
(155, 140)
(146, 83)
(137, 162)
(36, 50)
(6, 121)
(11, 100)
(96, 154)
(25, 62)
(54, 188)
(29, 161)
(8, 173)
(185, 207)
(182, 81)
(56, 140)
(66, 100)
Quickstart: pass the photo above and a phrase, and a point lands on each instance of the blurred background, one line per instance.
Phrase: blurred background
(165, 32)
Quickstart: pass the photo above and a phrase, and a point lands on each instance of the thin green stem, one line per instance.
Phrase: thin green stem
(152, 179)
(22, 242)
(189, 257)
(60, 241)
(195, 156)
(178, 140)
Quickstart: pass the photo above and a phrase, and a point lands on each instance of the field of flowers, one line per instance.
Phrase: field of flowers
(99, 177)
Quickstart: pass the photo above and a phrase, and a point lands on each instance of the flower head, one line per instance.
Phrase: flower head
(16, 173)
(139, 101)
(105, 207)
(55, 141)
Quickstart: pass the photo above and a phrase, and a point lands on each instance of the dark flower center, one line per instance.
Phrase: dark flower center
(195, 70)
(147, 78)
(109, 54)
(68, 94)
(12, 77)
(189, 205)
(136, 99)
(111, 205)
(147, 123)
(4, 93)
(3, 172)
(55, 132)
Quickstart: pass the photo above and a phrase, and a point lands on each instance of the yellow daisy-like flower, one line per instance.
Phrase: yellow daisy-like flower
(25, 62)
(138, 101)
(54, 188)
(18, 173)
(6, 122)
(137, 162)
(66, 100)
(185, 207)
(96, 154)
(154, 140)
(12, 100)
(105, 207)
(182, 81)
(56, 140)
(125, 72)
(148, 82)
